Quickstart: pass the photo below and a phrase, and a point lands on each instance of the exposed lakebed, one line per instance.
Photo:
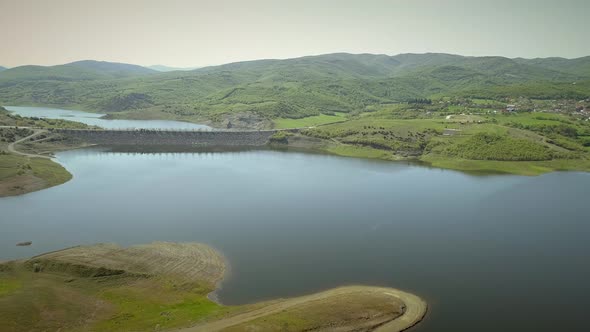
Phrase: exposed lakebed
(488, 253)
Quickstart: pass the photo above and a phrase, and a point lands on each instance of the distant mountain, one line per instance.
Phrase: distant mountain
(368, 66)
(113, 68)
(2, 68)
(75, 71)
(579, 66)
(293, 87)
(162, 68)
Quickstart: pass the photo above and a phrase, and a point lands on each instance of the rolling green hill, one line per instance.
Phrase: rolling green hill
(76, 71)
(580, 66)
(292, 88)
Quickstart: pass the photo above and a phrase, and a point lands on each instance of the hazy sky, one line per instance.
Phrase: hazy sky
(204, 32)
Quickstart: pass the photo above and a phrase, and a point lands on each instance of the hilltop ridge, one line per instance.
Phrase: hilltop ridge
(290, 88)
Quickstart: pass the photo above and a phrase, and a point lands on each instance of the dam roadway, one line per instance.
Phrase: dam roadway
(172, 137)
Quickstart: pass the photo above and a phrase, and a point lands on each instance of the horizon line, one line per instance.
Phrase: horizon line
(194, 67)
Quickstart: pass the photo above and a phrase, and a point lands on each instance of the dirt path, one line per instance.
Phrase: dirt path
(11, 146)
(415, 309)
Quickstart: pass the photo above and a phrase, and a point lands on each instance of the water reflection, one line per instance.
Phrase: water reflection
(291, 223)
(96, 119)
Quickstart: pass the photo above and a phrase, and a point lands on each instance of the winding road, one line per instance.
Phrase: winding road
(415, 309)
(11, 146)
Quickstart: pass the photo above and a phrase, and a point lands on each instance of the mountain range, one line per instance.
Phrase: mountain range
(293, 88)
(75, 71)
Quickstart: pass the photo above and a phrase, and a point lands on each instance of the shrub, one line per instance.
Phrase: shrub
(280, 137)
(484, 146)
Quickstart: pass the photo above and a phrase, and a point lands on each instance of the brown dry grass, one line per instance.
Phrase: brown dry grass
(21, 184)
(182, 261)
(355, 311)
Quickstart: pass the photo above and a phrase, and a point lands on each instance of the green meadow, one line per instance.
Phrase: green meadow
(526, 144)
(310, 121)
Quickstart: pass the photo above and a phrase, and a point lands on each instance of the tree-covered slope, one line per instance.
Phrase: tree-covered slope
(288, 88)
(579, 66)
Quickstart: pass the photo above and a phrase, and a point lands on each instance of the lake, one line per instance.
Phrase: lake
(489, 253)
(95, 119)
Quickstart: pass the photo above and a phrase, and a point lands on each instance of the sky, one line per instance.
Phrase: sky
(186, 33)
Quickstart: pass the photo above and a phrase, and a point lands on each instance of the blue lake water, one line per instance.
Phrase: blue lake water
(488, 253)
(94, 119)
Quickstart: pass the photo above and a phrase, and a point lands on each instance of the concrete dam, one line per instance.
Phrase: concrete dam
(169, 137)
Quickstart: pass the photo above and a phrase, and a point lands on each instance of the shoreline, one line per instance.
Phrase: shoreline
(212, 296)
(42, 183)
(469, 167)
(415, 309)
(477, 167)
(165, 267)
(308, 144)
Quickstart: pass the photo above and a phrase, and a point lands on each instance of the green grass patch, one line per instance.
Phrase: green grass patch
(368, 135)
(477, 147)
(140, 309)
(10, 165)
(532, 118)
(50, 301)
(49, 171)
(46, 169)
(280, 137)
(9, 286)
(309, 121)
(346, 150)
(486, 146)
(374, 125)
(17, 170)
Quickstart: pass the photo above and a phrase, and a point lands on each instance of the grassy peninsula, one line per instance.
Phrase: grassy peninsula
(25, 167)
(165, 286)
(20, 175)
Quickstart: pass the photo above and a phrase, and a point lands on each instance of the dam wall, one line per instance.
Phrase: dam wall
(164, 137)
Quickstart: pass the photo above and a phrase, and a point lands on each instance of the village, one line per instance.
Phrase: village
(579, 109)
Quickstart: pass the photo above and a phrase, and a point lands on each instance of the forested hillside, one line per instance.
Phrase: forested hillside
(292, 88)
